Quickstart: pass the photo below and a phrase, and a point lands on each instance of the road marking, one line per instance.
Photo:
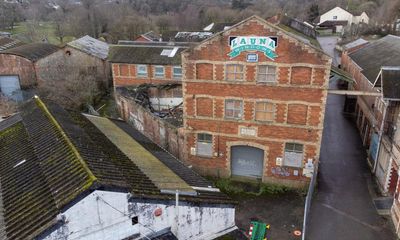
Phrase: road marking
(375, 228)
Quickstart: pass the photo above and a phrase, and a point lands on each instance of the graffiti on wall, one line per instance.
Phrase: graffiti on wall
(280, 171)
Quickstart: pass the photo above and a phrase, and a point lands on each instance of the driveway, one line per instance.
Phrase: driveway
(328, 45)
(343, 209)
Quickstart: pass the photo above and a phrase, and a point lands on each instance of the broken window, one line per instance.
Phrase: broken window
(177, 72)
(204, 144)
(233, 109)
(141, 70)
(135, 220)
(234, 72)
(293, 155)
(266, 74)
(159, 71)
(265, 111)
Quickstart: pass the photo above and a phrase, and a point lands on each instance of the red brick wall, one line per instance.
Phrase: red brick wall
(125, 75)
(299, 97)
(15, 65)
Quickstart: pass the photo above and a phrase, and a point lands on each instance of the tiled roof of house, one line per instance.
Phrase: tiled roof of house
(32, 51)
(49, 157)
(91, 46)
(6, 43)
(383, 52)
(146, 54)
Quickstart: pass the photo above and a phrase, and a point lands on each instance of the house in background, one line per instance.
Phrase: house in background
(341, 20)
(71, 176)
(244, 115)
(149, 37)
(20, 67)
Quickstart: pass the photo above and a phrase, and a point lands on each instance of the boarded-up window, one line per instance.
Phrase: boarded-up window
(233, 109)
(234, 72)
(204, 107)
(204, 71)
(297, 114)
(293, 155)
(123, 70)
(265, 111)
(204, 144)
(301, 76)
(266, 74)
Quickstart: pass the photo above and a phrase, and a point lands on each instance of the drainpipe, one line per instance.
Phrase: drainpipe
(177, 214)
(380, 136)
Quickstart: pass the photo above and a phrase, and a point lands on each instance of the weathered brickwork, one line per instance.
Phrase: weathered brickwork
(22, 67)
(126, 75)
(296, 101)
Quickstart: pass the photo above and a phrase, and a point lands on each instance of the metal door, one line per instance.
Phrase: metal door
(10, 87)
(247, 161)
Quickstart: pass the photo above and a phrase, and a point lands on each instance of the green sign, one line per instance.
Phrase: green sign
(261, 44)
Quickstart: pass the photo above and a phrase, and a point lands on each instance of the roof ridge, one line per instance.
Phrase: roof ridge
(46, 111)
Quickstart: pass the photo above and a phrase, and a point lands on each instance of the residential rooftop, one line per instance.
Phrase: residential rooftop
(51, 157)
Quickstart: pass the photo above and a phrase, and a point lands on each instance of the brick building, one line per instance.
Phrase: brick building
(254, 103)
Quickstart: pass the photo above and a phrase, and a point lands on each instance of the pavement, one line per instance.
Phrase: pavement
(343, 207)
(328, 44)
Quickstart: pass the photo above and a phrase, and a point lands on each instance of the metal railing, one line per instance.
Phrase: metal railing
(309, 197)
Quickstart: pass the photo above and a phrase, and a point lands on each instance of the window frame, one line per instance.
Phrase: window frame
(235, 72)
(173, 72)
(204, 141)
(234, 110)
(138, 72)
(273, 111)
(155, 71)
(294, 151)
(266, 74)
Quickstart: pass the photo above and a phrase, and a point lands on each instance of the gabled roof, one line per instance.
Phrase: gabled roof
(50, 157)
(91, 46)
(389, 81)
(145, 54)
(32, 51)
(6, 43)
(296, 38)
(383, 52)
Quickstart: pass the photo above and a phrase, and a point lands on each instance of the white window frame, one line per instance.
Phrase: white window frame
(179, 76)
(203, 143)
(239, 111)
(266, 74)
(141, 74)
(235, 72)
(157, 75)
(293, 153)
(264, 111)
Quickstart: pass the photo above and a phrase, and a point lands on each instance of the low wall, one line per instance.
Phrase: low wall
(163, 133)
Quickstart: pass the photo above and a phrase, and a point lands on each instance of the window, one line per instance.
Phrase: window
(334, 17)
(159, 71)
(141, 70)
(204, 144)
(233, 109)
(265, 111)
(177, 72)
(293, 155)
(135, 220)
(266, 74)
(234, 72)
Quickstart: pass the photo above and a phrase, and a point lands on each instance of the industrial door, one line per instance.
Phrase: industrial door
(10, 87)
(247, 161)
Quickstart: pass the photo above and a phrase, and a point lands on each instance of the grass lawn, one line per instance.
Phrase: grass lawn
(43, 31)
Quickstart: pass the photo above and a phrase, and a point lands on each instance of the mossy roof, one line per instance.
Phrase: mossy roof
(49, 157)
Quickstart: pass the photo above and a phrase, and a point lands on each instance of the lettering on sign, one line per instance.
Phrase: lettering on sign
(239, 44)
(248, 131)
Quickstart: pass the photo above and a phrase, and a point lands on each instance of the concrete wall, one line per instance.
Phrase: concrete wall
(299, 97)
(158, 130)
(106, 215)
(15, 65)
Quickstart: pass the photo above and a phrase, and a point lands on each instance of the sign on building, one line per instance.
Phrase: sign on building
(266, 45)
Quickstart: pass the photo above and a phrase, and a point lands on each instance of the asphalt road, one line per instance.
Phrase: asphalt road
(342, 208)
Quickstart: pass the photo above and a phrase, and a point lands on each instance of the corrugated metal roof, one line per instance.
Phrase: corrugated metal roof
(383, 52)
(6, 43)
(355, 43)
(91, 46)
(32, 51)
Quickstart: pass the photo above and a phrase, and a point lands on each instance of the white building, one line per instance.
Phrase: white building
(339, 14)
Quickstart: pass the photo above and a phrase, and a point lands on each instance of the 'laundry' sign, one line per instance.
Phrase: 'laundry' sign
(266, 45)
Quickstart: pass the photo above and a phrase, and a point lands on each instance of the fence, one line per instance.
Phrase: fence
(309, 197)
